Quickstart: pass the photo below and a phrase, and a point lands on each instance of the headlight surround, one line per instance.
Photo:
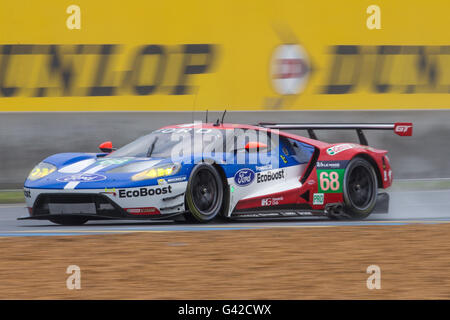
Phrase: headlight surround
(41, 170)
(157, 172)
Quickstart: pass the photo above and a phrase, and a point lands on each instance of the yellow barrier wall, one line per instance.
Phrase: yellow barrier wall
(233, 54)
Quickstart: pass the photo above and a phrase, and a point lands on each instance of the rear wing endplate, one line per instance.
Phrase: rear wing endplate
(400, 128)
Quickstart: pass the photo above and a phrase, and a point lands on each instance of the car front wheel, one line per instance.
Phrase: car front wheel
(204, 193)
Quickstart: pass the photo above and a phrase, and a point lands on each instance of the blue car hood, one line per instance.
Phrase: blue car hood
(92, 171)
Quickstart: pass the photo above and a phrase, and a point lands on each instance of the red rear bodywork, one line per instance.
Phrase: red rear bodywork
(317, 177)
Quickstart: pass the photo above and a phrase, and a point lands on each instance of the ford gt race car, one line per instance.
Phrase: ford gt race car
(198, 172)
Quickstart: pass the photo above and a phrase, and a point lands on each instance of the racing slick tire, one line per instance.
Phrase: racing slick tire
(204, 194)
(69, 221)
(360, 189)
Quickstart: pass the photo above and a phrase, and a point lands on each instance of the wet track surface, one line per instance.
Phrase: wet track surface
(407, 207)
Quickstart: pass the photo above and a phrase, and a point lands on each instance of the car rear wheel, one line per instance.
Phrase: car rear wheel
(360, 189)
(204, 193)
(69, 221)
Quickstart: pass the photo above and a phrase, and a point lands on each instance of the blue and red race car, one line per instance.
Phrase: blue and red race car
(198, 172)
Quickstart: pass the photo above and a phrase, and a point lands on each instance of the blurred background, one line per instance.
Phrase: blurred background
(73, 75)
(29, 138)
(76, 73)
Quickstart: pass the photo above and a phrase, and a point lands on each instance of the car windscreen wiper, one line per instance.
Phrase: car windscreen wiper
(150, 150)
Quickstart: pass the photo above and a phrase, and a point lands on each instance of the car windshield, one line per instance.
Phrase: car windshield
(164, 143)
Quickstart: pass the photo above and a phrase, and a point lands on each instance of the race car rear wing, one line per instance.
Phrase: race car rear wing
(400, 128)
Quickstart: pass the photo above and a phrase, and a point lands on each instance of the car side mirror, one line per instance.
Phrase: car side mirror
(106, 147)
(252, 145)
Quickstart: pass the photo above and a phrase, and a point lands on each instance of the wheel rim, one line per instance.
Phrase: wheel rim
(205, 192)
(360, 187)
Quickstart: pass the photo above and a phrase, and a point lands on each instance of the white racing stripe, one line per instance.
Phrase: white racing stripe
(78, 166)
(72, 184)
(96, 168)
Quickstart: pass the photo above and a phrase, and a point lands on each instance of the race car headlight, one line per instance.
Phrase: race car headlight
(157, 172)
(41, 170)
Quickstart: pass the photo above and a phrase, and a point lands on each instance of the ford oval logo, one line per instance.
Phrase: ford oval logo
(244, 177)
(82, 177)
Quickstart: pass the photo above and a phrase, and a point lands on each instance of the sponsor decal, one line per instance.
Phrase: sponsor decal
(270, 176)
(27, 193)
(162, 181)
(304, 213)
(339, 148)
(289, 213)
(283, 158)
(58, 63)
(110, 191)
(244, 177)
(290, 69)
(274, 214)
(403, 129)
(184, 130)
(271, 201)
(82, 177)
(269, 214)
(422, 69)
(144, 192)
(264, 168)
(330, 181)
(338, 164)
(176, 179)
(248, 215)
(318, 198)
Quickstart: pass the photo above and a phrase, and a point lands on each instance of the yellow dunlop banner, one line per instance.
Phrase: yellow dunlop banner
(224, 54)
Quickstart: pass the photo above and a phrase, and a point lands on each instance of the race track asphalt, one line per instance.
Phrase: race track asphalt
(409, 207)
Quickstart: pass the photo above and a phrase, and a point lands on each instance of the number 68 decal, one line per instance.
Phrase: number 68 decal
(329, 181)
